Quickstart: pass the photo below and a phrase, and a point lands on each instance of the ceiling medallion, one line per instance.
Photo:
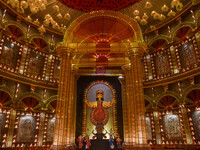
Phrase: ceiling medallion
(93, 5)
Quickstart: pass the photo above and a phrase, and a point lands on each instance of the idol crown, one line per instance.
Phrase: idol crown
(99, 91)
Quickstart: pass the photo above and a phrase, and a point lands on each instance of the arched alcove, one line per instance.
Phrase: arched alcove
(28, 103)
(167, 103)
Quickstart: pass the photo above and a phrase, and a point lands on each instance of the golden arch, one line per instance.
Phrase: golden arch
(14, 23)
(132, 23)
(38, 36)
(28, 94)
(185, 24)
(189, 89)
(7, 90)
(51, 99)
(164, 37)
(150, 100)
(168, 93)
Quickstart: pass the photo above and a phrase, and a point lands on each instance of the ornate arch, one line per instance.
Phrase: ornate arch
(14, 23)
(164, 37)
(150, 100)
(168, 93)
(7, 90)
(184, 24)
(51, 99)
(31, 37)
(189, 89)
(28, 94)
(132, 23)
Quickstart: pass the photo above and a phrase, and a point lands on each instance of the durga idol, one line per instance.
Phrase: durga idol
(99, 116)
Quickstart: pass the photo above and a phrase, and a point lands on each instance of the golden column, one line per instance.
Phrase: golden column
(157, 126)
(125, 96)
(11, 127)
(74, 78)
(124, 104)
(136, 136)
(63, 123)
(186, 125)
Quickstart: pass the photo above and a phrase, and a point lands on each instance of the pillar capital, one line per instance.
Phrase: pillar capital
(65, 51)
(75, 70)
(126, 67)
(136, 49)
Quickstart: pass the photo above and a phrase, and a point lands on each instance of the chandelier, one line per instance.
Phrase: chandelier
(33, 5)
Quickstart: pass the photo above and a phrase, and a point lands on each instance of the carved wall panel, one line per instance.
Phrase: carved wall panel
(162, 64)
(187, 54)
(148, 128)
(50, 130)
(35, 63)
(172, 127)
(196, 123)
(26, 131)
(10, 53)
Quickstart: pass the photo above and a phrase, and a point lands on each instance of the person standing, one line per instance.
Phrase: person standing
(88, 143)
(80, 142)
(111, 143)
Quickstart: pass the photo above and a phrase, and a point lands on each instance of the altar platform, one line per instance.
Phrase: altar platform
(100, 144)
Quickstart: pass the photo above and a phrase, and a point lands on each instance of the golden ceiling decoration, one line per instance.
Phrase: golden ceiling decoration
(53, 14)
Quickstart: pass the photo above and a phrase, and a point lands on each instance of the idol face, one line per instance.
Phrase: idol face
(99, 96)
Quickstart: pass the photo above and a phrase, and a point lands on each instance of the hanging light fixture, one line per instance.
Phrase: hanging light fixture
(137, 18)
(67, 16)
(164, 8)
(171, 13)
(136, 12)
(33, 5)
(143, 22)
(148, 5)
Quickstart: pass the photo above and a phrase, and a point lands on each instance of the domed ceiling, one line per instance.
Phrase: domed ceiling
(93, 5)
(59, 14)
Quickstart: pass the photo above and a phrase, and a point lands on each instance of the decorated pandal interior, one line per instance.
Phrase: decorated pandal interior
(99, 74)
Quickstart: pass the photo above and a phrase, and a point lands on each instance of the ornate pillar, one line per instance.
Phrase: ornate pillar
(137, 138)
(74, 78)
(126, 115)
(63, 123)
(23, 59)
(157, 126)
(186, 125)
(124, 104)
(41, 129)
(11, 127)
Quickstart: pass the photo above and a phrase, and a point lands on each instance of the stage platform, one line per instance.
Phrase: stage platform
(100, 145)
